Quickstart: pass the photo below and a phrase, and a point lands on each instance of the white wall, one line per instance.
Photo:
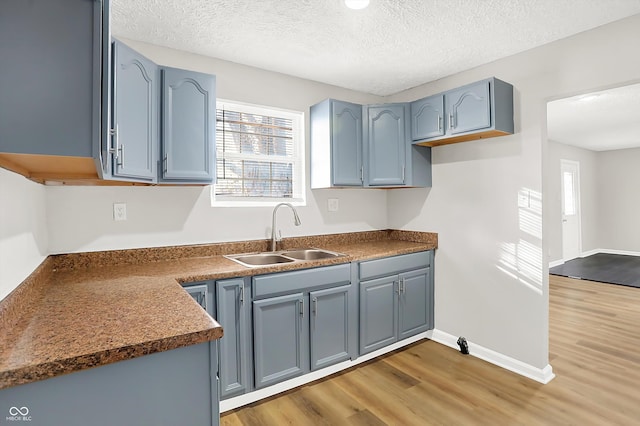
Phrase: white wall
(473, 204)
(619, 180)
(23, 236)
(81, 217)
(589, 197)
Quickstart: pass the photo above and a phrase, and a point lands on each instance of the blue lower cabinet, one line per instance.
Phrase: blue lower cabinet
(233, 302)
(169, 388)
(415, 301)
(378, 313)
(302, 321)
(329, 328)
(281, 335)
(200, 293)
(398, 305)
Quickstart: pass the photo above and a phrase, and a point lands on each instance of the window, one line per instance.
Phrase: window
(569, 201)
(259, 156)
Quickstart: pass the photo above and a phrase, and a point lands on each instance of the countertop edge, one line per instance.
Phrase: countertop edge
(47, 370)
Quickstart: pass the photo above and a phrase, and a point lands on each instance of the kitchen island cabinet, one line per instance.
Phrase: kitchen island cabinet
(166, 388)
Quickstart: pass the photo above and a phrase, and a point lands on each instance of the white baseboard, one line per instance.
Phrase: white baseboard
(609, 251)
(541, 375)
(623, 252)
(556, 263)
(596, 251)
(590, 252)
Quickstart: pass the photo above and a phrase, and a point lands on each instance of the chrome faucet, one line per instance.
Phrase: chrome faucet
(296, 221)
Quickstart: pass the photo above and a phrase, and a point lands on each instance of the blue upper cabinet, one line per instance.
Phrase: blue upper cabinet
(468, 108)
(51, 68)
(483, 109)
(346, 143)
(188, 127)
(336, 144)
(134, 131)
(427, 117)
(386, 144)
(365, 146)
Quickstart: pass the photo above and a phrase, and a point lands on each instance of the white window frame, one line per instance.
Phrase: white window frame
(298, 177)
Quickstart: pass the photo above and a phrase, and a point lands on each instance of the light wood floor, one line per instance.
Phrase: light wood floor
(594, 343)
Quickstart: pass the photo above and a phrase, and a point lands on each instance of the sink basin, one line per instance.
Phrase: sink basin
(254, 260)
(311, 254)
(259, 259)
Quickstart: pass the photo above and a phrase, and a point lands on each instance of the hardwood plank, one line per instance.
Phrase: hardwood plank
(593, 340)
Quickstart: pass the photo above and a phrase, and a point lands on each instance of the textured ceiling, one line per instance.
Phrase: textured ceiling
(598, 121)
(391, 46)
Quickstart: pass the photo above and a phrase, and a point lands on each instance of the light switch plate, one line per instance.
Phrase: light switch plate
(119, 211)
(333, 204)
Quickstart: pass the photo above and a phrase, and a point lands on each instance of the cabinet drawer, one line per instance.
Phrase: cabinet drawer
(393, 265)
(306, 279)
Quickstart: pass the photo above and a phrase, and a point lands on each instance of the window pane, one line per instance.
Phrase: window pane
(569, 202)
(256, 153)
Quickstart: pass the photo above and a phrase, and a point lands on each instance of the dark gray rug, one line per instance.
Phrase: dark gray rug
(605, 268)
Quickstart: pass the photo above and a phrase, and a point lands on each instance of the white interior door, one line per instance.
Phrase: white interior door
(570, 187)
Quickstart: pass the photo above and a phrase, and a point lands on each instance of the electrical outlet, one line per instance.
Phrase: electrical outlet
(333, 204)
(119, 211)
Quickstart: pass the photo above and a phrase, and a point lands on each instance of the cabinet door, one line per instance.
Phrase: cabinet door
(280, 327)
(378, 313)
(468, 108)
(135, 115)
(233, 303)
(346, 143)
(200, 293)
(415, 303)
(427, 118)
(188, 126)
(329, 332)
(386, 145)
(50, 73)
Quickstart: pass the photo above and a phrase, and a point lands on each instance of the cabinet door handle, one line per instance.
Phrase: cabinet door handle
(361, 174)
(242, 294)
(115, 146)
(403, 172)
(403, 287)
(203, 300)
(302, 307)
(315, 306)
(451, 121)
(439, 122)
(121, 161)
(164, 165)
(394, 285)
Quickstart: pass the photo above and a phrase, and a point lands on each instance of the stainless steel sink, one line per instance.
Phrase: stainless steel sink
(311, 254)
(259, 259)
(254, 260)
